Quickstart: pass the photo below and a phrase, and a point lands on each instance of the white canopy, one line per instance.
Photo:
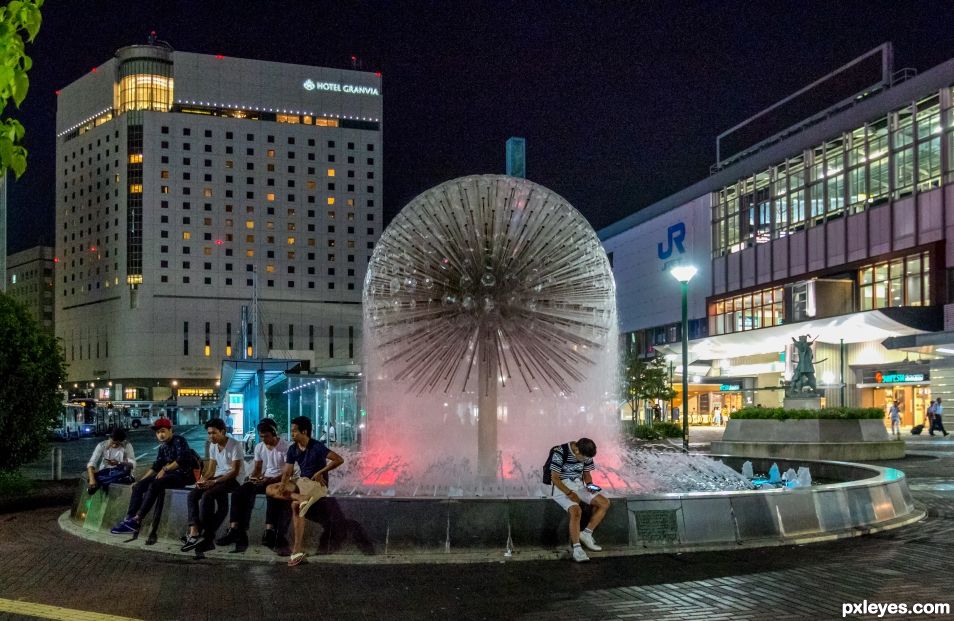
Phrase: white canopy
(853, 328)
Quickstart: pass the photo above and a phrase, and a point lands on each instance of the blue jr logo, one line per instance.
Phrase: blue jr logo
(677, 233)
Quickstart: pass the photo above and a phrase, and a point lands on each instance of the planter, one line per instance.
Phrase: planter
(852, 440)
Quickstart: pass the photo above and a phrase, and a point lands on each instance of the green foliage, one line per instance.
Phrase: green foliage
(18, 19)
(824, 413)
(32, 367)
(14, 485)
(644, 380)
(657, 431)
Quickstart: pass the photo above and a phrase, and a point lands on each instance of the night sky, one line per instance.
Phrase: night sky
(620, 102)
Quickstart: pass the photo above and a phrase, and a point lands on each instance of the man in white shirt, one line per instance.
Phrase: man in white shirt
(209, 501)
(938, 424)
(269, 462)
(113, 461)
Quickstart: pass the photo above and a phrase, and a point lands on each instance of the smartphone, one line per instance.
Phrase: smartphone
(594, 487)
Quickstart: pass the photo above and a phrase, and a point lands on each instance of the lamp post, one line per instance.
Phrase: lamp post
(684, 273)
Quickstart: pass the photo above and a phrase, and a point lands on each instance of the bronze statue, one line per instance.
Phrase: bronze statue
(803, 379)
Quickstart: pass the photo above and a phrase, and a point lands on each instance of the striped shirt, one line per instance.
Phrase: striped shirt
(571, 468)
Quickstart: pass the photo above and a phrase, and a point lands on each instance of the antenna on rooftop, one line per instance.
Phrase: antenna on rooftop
(356, 63)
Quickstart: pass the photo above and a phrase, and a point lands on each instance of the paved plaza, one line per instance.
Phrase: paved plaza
(43, 566)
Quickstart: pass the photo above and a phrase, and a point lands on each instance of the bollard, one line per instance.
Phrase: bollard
(56, 463)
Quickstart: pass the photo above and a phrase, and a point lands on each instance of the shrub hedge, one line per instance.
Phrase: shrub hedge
(657, 431)
(824, 413)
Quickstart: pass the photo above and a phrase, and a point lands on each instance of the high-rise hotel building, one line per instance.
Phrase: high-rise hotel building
(188, 185)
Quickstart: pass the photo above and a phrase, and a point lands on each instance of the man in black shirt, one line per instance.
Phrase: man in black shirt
(314, 461)
(173, 469)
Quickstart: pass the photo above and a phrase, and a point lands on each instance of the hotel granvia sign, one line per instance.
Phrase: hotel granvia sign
(336, 87)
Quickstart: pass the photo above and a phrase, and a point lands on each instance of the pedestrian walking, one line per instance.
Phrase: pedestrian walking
(938, 418)
(895, 414)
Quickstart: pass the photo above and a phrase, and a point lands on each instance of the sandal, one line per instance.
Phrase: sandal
(296, 558)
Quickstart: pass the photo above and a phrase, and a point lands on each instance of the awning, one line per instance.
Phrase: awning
(933, 343)
(236, 374)
(862, 327)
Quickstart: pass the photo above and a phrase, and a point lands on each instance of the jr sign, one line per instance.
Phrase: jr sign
(676, 235)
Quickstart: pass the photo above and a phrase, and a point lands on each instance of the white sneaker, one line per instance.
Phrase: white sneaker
(579, 555)
(587, 540)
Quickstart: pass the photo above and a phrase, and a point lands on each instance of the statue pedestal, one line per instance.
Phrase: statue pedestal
(808, 402)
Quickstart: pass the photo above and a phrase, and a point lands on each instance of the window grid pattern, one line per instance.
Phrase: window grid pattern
(903, 281)
(889, 157)
(751, 311)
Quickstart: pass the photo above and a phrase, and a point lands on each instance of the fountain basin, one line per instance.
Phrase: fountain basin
(354, 529)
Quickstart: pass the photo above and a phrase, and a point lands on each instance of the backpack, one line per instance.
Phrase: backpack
(564, 450)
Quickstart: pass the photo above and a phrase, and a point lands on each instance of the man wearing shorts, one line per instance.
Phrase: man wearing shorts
(314, 460)
(570, 474)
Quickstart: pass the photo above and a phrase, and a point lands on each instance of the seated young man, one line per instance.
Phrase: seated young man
(209, 501)
(570, 468)
(269, 461)
(314, 460)
(173, 469)
(112, 461)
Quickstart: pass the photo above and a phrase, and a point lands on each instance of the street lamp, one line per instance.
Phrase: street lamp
(684, 273)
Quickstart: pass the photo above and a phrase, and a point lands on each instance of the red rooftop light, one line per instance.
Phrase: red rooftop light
(377, 73)
(219, 242)
(57, 92)
(219, 56)
(56, 259)
(93, 70)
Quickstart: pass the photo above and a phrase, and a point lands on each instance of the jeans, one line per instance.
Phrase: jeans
(114, 474)
(209, 506)
(146, 491)
(243, 501)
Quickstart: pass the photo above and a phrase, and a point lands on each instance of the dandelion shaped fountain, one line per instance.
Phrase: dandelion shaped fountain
(490, 326)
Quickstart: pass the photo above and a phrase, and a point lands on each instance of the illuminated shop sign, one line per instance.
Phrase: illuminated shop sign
(335, 87)
(899, 378)
(196, 392)
(729, 387)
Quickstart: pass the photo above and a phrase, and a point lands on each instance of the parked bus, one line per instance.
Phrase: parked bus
(84, 417)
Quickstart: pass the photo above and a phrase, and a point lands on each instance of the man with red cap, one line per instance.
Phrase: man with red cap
(174, 468)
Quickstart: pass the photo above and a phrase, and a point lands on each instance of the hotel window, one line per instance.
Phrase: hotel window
(270, 153)
(186, 235)
(270, 197)
(135, 158)
(331, 172)
(249, 239)
(135, 188)
(250, 224)
(740, 313)
(138, 90)
(904, 281)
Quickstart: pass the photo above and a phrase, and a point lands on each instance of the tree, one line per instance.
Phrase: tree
(644, 379)
(33, 368)
(18, 18)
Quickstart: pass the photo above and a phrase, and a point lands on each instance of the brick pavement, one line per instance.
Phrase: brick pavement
(43, 565)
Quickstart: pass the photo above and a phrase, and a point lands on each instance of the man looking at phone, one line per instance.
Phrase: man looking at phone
(572, 485)
(269, 463)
